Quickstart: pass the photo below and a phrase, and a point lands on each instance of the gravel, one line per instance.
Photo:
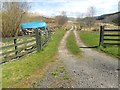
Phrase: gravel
(92, 70)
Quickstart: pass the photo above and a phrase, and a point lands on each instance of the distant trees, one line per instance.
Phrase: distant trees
(88, 19)
(12, 14)
(114, 19)
(80, 21)
(61, 19)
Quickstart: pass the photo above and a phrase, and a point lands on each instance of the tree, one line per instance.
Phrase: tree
(12, 14)
(91, 11)
(61, 19)
(90, 15)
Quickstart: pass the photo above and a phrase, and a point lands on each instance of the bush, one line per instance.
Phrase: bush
(12, 14)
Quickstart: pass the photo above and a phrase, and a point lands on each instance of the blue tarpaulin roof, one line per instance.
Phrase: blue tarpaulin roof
(33, 25)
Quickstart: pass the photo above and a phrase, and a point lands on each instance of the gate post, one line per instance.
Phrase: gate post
(38, 39)
(101, 36)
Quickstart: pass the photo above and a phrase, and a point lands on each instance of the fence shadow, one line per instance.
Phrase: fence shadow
(90, 47)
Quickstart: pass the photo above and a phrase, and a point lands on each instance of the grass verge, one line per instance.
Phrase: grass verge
(91, 39)
(72, 45)
(14, 72)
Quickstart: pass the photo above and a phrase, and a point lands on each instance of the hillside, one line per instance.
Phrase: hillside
(110, 18)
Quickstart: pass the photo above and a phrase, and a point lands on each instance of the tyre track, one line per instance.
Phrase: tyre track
(93, 70)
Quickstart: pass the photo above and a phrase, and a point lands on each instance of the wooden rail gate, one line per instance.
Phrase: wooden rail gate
(22, 45)
(109, 36)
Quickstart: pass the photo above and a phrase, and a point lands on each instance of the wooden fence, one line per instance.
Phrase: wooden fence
(109, 36)
(22, 45)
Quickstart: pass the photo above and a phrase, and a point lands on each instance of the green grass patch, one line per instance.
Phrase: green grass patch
(14, 72)
(91, 39)
(72, 46)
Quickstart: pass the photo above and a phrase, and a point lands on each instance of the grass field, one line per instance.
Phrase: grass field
(72, 46)
(91, 39)
(14, 72)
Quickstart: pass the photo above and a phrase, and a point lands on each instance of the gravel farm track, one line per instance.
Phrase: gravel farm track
(92, 70)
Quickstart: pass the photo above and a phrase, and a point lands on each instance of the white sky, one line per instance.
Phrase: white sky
(72, 7)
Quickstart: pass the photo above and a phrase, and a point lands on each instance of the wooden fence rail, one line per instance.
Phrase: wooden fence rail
(18, 49)
(109, 36)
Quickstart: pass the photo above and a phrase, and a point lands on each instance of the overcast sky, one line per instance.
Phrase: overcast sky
(72, 7)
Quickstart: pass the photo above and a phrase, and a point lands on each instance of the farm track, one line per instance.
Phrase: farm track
(92, 70)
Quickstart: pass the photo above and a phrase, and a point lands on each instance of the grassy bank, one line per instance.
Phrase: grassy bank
(14, 72)
(72, 46)
(91, 39)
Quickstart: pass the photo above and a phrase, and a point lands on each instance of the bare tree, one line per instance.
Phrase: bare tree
(91, 11)
(61, 19)
(12, 15)
(90, 15)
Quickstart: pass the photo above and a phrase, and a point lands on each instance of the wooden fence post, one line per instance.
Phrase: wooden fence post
(101, 36)
(15, 42)
(38, 39)
(49, 34)
(46, 35)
